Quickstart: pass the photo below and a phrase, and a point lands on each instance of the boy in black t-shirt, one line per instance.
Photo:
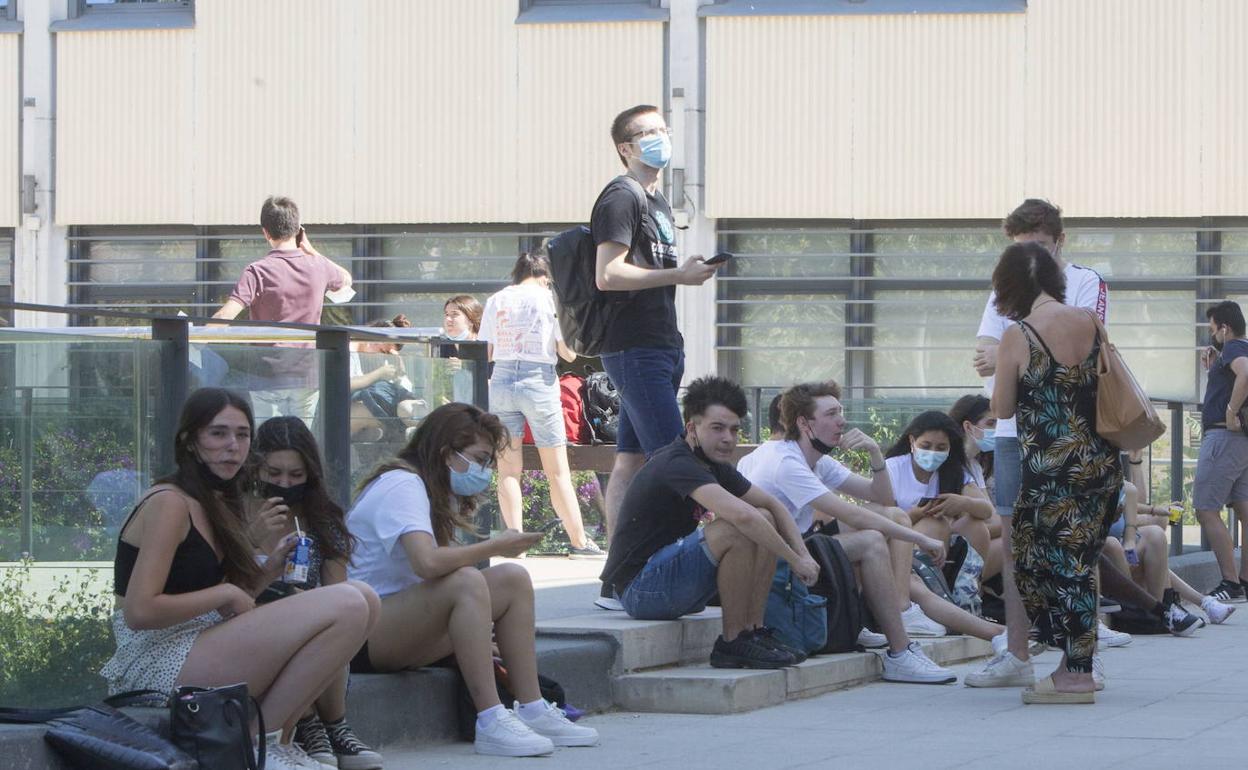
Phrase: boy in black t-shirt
(662, 566)
(636, 257)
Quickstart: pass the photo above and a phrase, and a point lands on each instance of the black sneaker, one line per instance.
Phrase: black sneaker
(310, 736)
(1109, 605)
(1228, 592)
(351, 752)
(747, 652)
(767, 636)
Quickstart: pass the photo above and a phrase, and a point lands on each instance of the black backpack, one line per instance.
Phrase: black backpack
(601, 402)
(836, 583)
(585, 312)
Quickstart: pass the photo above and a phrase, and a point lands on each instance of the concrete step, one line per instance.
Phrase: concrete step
(644, 644)
(700, 689)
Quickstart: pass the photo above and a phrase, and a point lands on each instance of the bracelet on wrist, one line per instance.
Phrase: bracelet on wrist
(1135, 462)
(879, 469)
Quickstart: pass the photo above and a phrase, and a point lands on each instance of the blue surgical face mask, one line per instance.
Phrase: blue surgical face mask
(988, 441)
(656, 151)
(473, 481)
(929, 460)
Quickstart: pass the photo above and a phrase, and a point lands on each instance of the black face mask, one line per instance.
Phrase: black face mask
(818, 445)
(697, 446)
(1217, 345)
(210, 479)
(290, 495)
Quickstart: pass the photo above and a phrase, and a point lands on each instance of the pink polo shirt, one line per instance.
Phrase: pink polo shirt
(287, 286)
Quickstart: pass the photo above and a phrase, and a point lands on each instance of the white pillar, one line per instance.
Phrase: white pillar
(695, 305)
(40, 248)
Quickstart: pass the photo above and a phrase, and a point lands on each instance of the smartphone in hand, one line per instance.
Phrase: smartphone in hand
(925, 501)
(718, 259)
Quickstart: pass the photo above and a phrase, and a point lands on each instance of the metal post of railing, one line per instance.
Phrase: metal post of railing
(476, 352)
(756, 427)
(1176, 473)
(26, 440)
(175, 381)
(335, 411)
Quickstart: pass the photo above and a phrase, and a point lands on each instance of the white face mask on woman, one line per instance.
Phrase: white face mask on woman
(929, 460)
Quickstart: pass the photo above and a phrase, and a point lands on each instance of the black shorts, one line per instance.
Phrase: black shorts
(361, 663)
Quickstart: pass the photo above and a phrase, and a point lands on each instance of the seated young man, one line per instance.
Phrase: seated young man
(661, 565)
(786, 469)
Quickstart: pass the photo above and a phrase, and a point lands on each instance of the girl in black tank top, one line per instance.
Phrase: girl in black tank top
(187, 575)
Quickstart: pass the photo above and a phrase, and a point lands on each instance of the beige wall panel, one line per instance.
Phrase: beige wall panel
(563, 135)
(778, 138)
(10, 170)
(124, 127)
(1111, 93)
(937, 115)
(1223, 83)
(435, 135)
(274, 112)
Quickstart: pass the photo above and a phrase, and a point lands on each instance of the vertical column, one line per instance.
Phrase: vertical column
(1176, 473)
(40, 248)
(695, 305)
(335, 411)
(174, 381)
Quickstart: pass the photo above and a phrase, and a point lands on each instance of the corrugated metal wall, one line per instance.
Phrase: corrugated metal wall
(569, 94)
(1115, 108)
(379, 112)
(10, 170)
(125, 128)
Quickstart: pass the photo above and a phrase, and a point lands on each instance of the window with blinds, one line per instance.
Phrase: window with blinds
(396, 269)
(6, 274)
(891, 310)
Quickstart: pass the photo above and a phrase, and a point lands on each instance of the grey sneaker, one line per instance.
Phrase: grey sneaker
(310, 736)
(588, 551)
(350, 751)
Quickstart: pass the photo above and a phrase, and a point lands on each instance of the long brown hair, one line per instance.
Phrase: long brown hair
(319, 514)
(449, 428)
(224, 512)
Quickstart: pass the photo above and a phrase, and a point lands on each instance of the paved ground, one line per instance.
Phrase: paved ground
(1169, 702)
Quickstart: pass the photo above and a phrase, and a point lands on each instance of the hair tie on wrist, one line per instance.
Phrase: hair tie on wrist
(1135, 462)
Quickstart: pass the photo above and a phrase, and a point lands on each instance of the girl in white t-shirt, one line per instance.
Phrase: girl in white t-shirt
(435, 602)
(519, 323)
(931, 482)
(974, 418)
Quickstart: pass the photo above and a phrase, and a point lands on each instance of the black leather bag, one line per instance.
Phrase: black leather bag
(213, 726)
(102, 738)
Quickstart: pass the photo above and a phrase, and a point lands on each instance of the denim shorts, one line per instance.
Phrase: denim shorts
(1007, 469)
(647, 380)
(1221, 470)
(525, 391)
(679, 579)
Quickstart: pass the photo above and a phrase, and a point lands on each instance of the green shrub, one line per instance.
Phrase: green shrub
(52, 646)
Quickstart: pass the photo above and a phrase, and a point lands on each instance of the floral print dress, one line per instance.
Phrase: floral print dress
(1070, 483)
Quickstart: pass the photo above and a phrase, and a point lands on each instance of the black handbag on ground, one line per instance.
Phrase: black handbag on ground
(102, 738)
(213, 726)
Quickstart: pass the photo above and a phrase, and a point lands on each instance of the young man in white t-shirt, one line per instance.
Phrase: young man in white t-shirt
(797, 471)
(1034, 221)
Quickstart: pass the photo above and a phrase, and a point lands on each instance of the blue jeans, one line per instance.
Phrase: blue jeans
(647, 380)
(1007, 467)
(679, 579)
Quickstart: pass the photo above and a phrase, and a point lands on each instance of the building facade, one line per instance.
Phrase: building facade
(856, 155)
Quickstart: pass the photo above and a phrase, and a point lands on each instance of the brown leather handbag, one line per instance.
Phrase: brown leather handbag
(1125, 416)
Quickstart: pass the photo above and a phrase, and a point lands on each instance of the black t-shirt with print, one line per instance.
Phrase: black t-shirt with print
(657, 509)
(647, 318)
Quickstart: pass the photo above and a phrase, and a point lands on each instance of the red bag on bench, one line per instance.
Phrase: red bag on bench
(574, 425)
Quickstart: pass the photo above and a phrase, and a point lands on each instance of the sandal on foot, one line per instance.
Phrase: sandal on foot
(1045, 693)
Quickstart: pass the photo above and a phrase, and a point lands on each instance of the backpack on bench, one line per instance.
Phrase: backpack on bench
(837, 584)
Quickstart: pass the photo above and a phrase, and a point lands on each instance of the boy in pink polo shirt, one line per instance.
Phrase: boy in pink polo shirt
(288, 284)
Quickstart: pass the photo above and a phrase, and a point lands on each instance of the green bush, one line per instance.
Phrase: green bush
(53, 646)
(538, 511)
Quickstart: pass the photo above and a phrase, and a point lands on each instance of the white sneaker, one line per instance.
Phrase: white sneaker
(913, 666)
(288, 756)
(918, 624)
(507, 736)
(608, 603)
(1107, 637)
(556, 726)
(1216, 610)
(871, 640)
(1098, 673)
(1004, 670)
(1001, 643)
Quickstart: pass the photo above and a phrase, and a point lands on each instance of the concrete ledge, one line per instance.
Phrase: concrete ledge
(644, 644)
(1199, 569)
(700, 690)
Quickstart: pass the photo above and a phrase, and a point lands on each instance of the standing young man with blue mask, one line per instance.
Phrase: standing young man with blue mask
(636, 259)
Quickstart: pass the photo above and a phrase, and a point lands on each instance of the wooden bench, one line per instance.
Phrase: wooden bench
(600, 458)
